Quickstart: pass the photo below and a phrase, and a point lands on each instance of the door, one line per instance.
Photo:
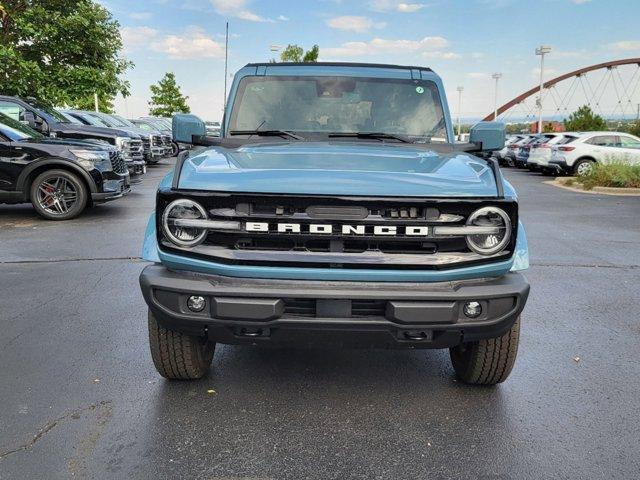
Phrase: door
(630, 148)
(606, 148)
(15, 152)
(10, 165)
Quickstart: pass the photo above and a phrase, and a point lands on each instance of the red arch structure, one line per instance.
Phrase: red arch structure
(551, 83)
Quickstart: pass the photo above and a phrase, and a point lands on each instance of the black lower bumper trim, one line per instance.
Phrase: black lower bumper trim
(108, 196)
(415, 315)
(560, 165)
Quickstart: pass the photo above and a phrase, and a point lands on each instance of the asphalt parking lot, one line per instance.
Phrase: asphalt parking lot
(80, 396)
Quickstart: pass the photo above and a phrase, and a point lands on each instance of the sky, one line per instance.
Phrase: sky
(464, 41)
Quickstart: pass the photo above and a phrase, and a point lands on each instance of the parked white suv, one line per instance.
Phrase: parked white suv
(591, 147)
(541, 154)
(502, 155)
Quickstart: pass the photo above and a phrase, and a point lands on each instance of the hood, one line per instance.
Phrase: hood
(339, 168)
(69, 142)
(72, 128)
(140, 132)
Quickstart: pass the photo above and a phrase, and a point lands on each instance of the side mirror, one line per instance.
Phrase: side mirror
(488, 135)
(186, 126)
(29, 118)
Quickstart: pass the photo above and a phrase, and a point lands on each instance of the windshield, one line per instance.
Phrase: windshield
(52, 112)
(325, 105)
(121, 122)
(16, 131)
(95, 121)
(159, 123)
(143, 125)
(70, 118)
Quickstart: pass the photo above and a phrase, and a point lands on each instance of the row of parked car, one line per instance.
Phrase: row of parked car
(571, 153)
(64, 160)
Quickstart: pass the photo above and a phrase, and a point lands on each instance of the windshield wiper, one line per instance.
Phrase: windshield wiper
(267, 133)
(375, 135)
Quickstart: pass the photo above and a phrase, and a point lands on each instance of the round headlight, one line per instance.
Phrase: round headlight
(489, 244)
(178, 234)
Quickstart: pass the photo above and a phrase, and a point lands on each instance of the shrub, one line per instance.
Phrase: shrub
(617, 175)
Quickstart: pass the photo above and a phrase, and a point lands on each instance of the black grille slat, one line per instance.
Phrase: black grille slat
(306, 307)
(118, 164)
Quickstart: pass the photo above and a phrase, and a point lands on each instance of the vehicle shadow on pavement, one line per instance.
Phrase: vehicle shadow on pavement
(356, 408)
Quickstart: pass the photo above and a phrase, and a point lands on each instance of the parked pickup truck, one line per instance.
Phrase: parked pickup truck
(336, 209)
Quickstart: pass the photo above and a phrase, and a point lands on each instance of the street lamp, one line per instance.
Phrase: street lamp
(460, 89)
(274, 50)
(542, 51)
(496, 77)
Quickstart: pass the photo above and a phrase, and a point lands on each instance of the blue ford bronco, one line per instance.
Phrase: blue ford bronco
(336, 208)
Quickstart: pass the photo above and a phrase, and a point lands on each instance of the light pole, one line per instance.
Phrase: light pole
(542, 51)
(275, 49)
(496, 77)
(460, 89)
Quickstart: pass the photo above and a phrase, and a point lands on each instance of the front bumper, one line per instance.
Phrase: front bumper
(113, 185)
(559, 165)
(372, 314)
(157, 151)
(136, 167)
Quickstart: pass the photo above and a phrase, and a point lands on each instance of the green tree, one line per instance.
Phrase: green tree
(584, 120)
(105, 103)
(166, 98)
(634, 129)
(517, 127)
(311, 55)
(61, 52)
(295, 53)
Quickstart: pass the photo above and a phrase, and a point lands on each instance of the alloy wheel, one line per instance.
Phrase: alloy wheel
(57, 195)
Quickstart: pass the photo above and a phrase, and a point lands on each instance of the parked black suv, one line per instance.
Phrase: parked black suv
(52, 123)
(60, 177)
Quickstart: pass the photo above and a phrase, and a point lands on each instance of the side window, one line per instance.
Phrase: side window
(604, 141)
(565, 140)
(12, 110)
(629, 142)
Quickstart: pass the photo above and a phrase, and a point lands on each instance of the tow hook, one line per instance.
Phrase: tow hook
(252, 332)
(417, 335)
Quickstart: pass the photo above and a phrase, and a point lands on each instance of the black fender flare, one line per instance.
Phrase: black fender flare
(55, 162)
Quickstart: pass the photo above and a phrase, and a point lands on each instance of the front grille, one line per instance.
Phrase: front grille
(146, 145)
(366, 249)
(307, 307)
(166, 140)
(134, 151)
(117, 163)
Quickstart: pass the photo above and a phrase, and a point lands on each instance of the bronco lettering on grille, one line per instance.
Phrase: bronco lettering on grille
(329, 229)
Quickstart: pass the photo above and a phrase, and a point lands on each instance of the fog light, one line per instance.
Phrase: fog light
(472, 309)
(196, 303)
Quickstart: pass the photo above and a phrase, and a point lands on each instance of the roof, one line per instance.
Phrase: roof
(336, 64)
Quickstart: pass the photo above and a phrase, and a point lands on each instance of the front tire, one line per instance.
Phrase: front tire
(175, 149)
(58, 195)
(487, 362)
(178, 356)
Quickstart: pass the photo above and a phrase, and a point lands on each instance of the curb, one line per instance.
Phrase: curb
(619, 192)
